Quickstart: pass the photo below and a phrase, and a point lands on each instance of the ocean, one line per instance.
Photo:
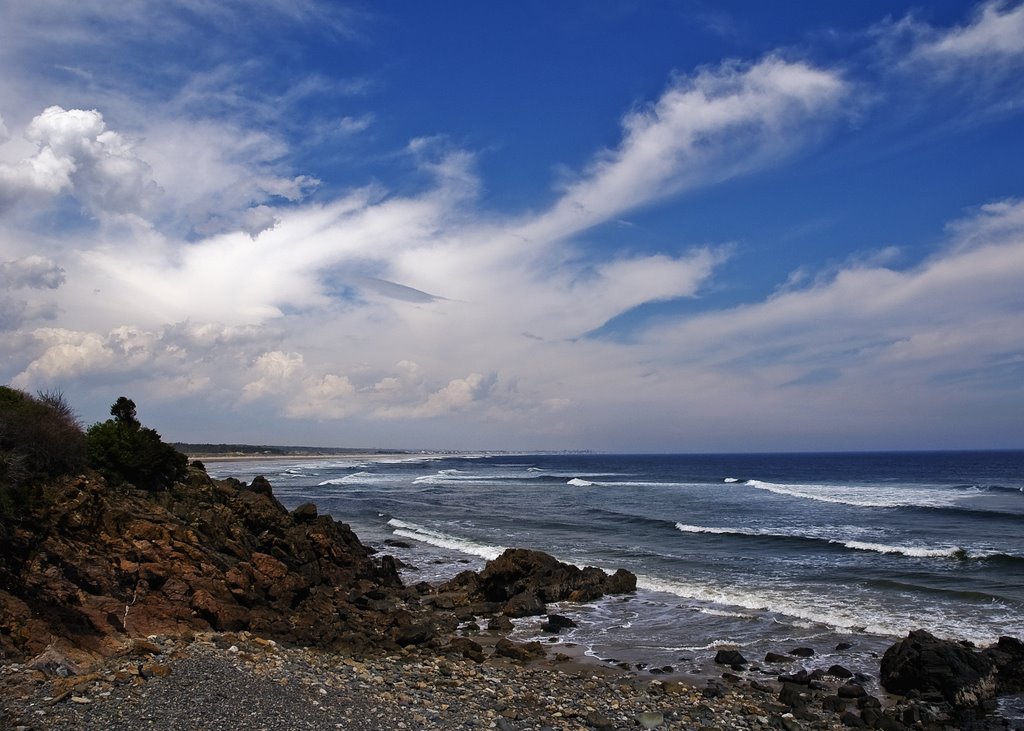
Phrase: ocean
(762, 552)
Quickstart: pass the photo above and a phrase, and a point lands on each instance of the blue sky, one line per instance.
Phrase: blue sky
(635, 226)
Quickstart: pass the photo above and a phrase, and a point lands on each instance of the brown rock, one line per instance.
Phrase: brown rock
(519, 570)
(523, 652)
(465, 647)
(524, 604)
(93, 566)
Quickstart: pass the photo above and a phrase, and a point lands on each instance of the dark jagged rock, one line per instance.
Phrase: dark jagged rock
(851, 690)
(852, 720)
(305, 513)
(1008, 657)
(800, 677)
(940, 670)
(465, 647)
(775, 658)
(838, 671)
(522, 582)
(517, 651)
(518, 570)
(730, 657)
(500, 624)
(794, 696)
(802, 652)
(524, 604)
(94, 566)
(556, 623)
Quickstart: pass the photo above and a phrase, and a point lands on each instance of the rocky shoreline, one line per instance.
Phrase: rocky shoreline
(227, 680)
(209, 605)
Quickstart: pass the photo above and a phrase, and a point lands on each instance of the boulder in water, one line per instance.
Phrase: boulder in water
(941, 670)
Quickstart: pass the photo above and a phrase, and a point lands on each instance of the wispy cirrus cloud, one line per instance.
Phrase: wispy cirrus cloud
(705, 128)
(996, 32)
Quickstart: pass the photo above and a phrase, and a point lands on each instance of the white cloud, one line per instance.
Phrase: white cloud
(284, 377)
(65, 355)
(77, 154)
(214, 274)
(354, 125)
(34, 272)
(215, 173)
(421, 280)
(719, 123)
(966, 298)
(996, 32)
(258, 219)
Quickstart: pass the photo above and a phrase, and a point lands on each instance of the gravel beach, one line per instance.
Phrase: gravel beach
(228, 681)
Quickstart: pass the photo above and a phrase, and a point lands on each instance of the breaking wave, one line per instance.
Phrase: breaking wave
(444, 540)
(952, 552)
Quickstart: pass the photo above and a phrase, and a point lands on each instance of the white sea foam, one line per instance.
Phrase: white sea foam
(863, 497)
(731, 479)
(914, 551)
(577, 482)
(714, 612)
(444, 540)
(853, 614)
(455, 477)
(357, 478)
(856, 545)
(717, 531)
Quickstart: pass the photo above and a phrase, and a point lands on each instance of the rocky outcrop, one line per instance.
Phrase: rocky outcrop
(1008, 657)
(520, 583)
(968, 680)
(95, 565)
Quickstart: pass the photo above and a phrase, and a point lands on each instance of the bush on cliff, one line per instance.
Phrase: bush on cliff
(124, 451)
(40, 438)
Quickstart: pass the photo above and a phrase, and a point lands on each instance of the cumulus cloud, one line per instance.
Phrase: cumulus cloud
(284, 377)
(218, 176)
(77, 154)
(34, 271)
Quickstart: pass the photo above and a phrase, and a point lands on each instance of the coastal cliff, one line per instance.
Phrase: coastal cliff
(93, 566)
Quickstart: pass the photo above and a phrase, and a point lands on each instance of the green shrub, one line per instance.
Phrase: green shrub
(40, 438)
(124, 451)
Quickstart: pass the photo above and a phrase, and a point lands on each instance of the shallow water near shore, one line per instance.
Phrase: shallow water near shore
(758, 552)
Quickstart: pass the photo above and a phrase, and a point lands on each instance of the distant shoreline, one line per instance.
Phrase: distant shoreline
(299, 455)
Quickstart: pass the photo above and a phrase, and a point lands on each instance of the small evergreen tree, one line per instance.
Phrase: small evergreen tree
(123, 450)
